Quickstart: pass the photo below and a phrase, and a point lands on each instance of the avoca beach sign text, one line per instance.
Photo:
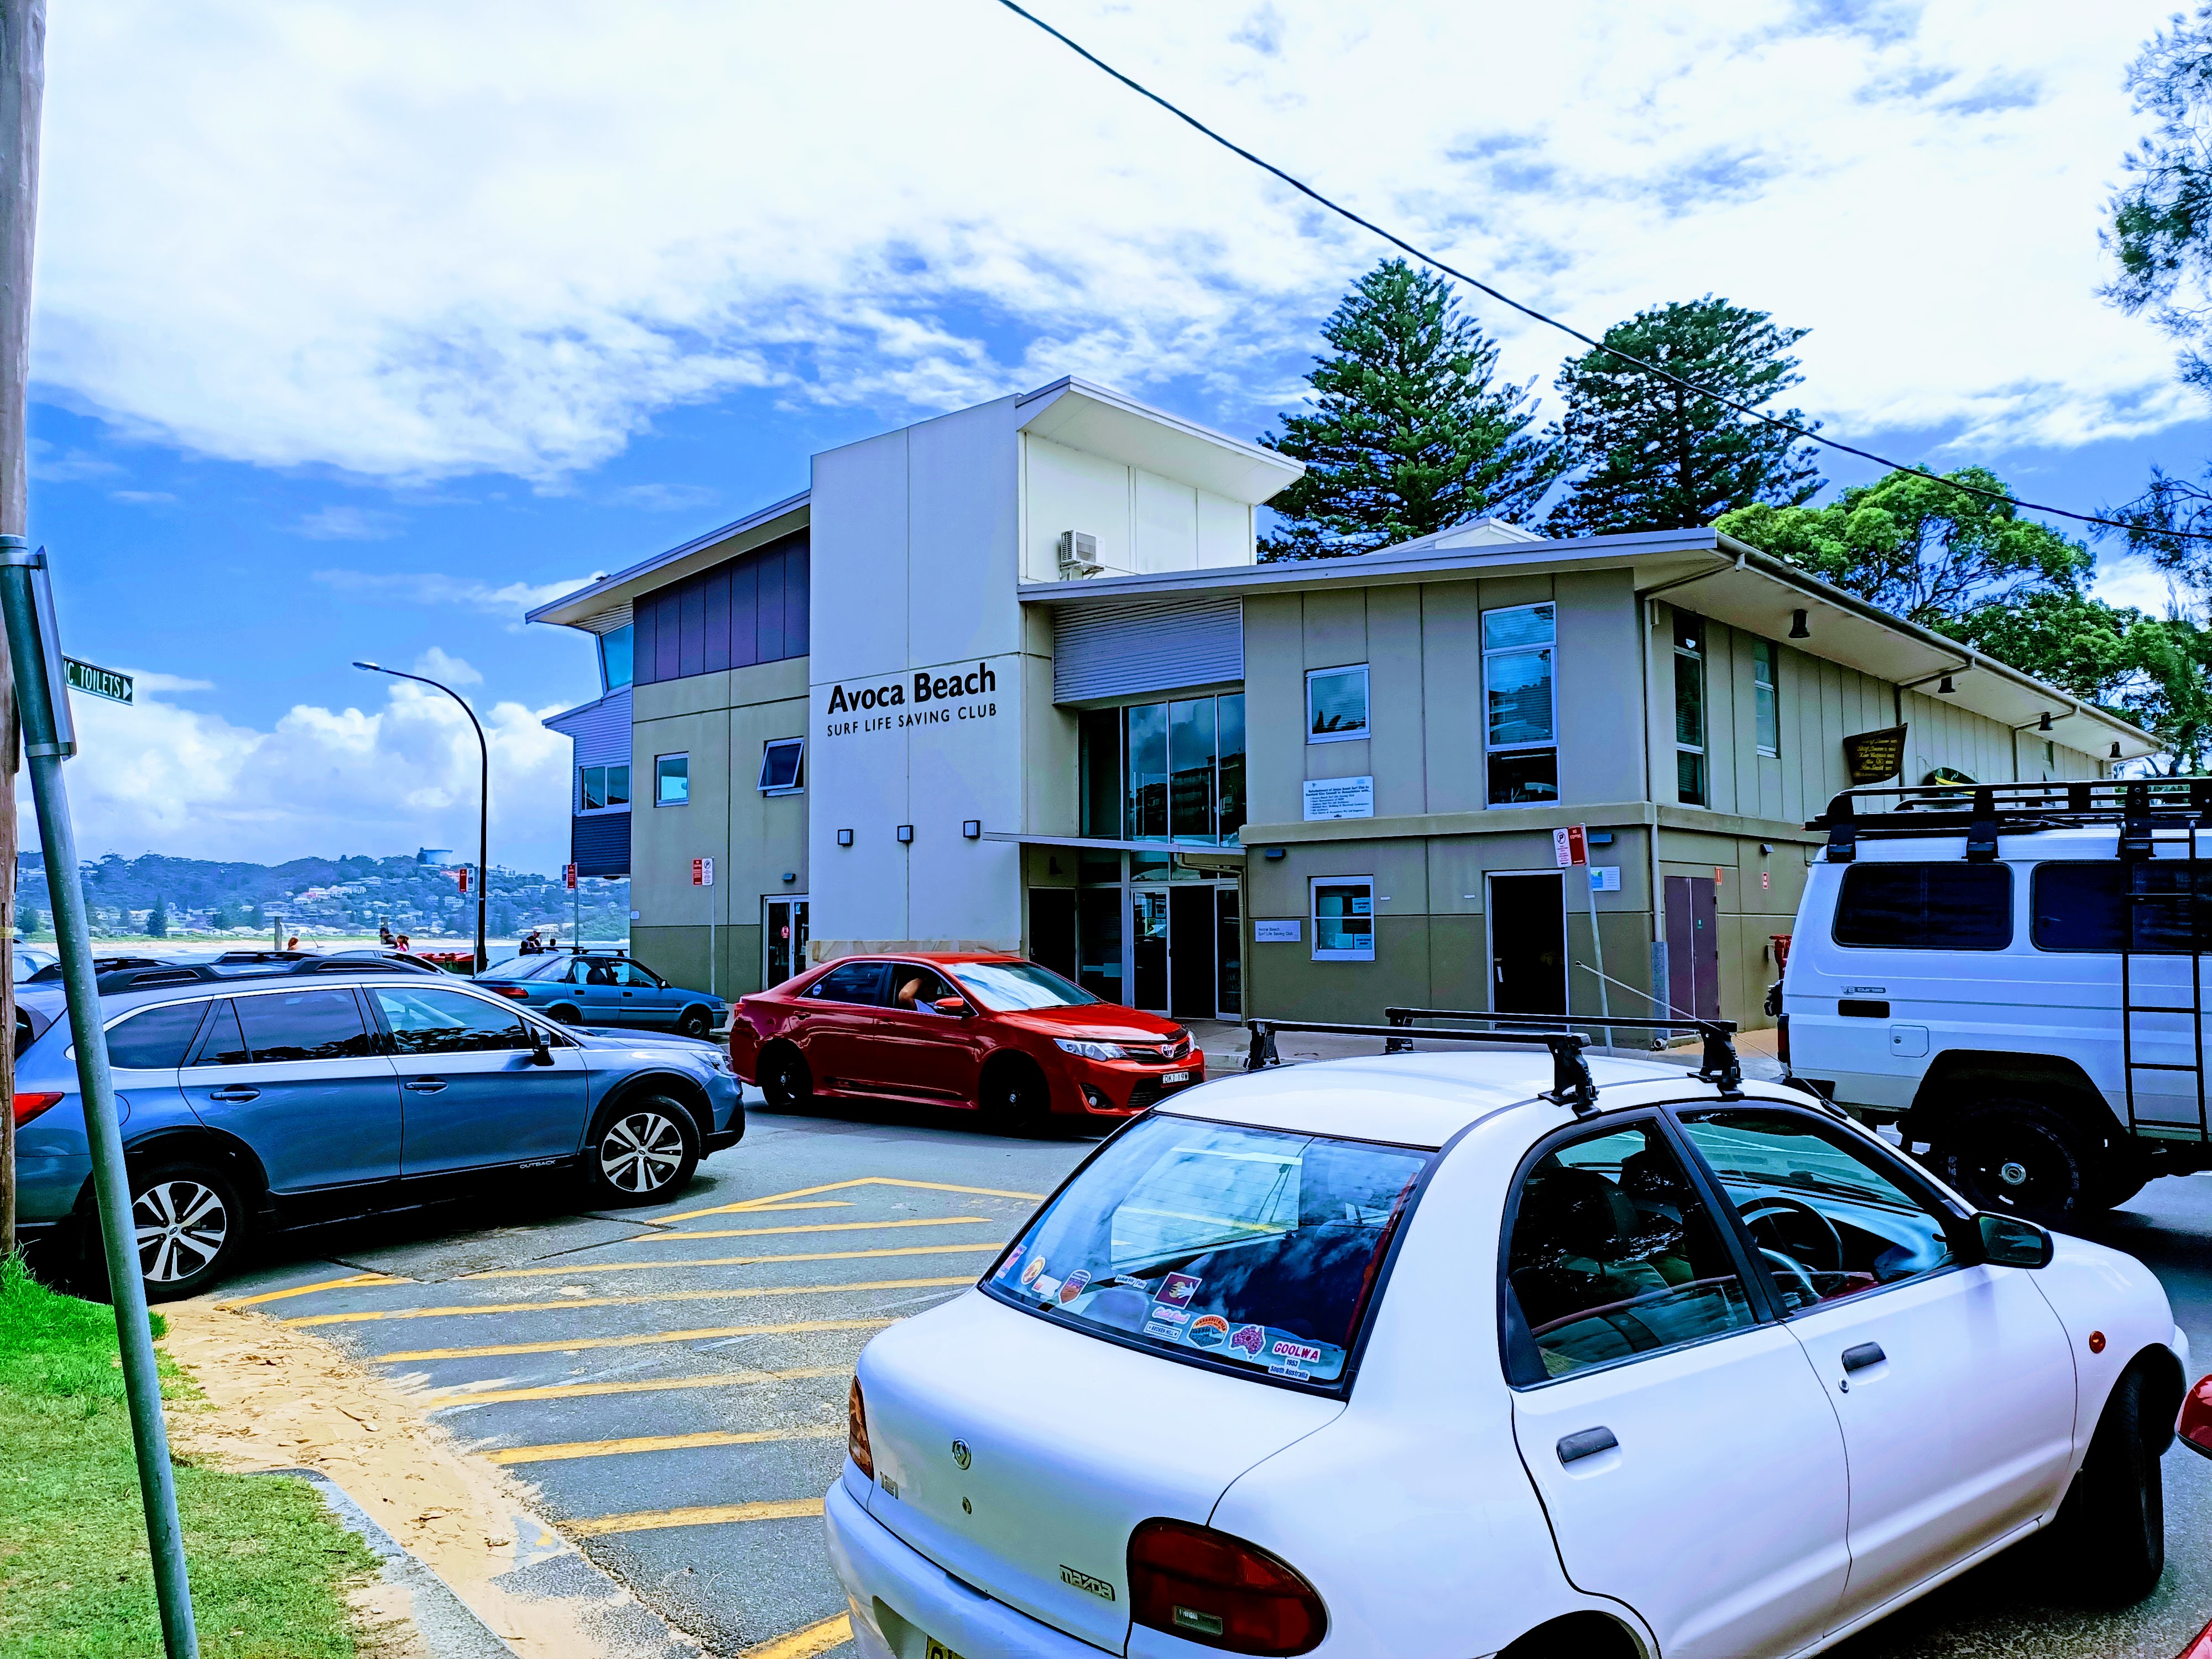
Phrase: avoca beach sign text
(928, 698)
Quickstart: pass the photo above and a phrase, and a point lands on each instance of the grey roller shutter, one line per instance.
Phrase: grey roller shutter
(1146, 645)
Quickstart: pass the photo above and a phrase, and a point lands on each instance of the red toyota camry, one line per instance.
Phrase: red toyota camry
(990, 1031)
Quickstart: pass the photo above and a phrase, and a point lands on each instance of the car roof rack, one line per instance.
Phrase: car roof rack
(1717, 1064)
(1572, 1083)
(1982, 812)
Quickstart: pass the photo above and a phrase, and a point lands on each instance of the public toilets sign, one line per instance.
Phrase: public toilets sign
(928, 697)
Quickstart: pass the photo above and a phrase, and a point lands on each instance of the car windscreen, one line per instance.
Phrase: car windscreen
(1019, 985)
(1245, 1250)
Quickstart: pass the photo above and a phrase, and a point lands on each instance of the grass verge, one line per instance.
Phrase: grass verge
(269, 1567)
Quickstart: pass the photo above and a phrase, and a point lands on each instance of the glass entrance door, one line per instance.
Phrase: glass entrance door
(783, 939)
(1148, 940)
(1186, 956)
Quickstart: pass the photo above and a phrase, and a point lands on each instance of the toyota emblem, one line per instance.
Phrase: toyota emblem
(960, 1454)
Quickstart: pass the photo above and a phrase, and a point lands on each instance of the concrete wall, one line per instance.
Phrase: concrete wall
(1143, 523)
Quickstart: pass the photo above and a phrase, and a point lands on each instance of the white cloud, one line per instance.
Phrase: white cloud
(410, 239)
(400, 775)
(70, 466)
(2129, 579)
(453, 670)
(141, 497)
(663, 497)
(158, 682)
(508, 600)
(346, 523)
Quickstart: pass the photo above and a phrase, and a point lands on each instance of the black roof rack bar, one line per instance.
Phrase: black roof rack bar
(1718, 1064)
(2138, 807)
(1572, 1083)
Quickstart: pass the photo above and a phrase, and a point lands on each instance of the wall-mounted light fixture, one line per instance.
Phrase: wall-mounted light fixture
(972, 829)
(1797, 629)
(790, 876)
(1947, 689)
(1273, 853)
(2043, 725)
(844, 838)
(906, 832)
(2116, 752)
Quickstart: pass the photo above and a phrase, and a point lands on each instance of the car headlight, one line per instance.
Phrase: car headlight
(1092, 1051)
(719, 1060)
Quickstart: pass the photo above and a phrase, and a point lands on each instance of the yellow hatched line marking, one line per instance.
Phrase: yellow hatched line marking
(717, 1295)
(731, 1262)
(816, 1227)
(309, 1290)
(808, 1643)
(443, 1398)
(711, 1515)
(652, 1442)
(841, 1186)
(576, 1345)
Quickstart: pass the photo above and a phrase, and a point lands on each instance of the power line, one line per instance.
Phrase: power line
(1476, 282)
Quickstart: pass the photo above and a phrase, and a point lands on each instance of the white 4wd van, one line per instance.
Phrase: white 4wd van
(2014, 975)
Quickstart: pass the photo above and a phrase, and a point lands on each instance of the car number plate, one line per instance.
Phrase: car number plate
(939, 1650)
(1175, 1077)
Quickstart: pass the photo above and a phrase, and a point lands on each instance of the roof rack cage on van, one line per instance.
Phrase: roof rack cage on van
(2140, 806)
(1718, 1065)
(1572, 1083)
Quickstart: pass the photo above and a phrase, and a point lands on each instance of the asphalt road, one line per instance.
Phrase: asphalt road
(673, 1379)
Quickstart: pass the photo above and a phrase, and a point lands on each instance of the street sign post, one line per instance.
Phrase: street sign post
(42, 692)
(703, 876)
(97, 681)
(1571, 847)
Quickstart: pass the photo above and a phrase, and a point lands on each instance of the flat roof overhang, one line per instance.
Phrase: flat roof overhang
(1101, 422)
(1697, 569)
(604, 606)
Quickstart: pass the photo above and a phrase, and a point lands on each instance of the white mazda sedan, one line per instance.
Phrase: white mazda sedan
(1432, 1355)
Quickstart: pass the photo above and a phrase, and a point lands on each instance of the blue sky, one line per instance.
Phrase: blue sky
(361, 327)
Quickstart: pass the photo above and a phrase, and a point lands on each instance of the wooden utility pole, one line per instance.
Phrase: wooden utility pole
(22, 96)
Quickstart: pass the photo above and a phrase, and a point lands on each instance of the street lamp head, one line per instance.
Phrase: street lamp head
(374, 668)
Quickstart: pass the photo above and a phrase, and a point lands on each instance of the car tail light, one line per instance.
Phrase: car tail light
(856, 1432)
(1782, 1038)
(2195, 1428)
(1220, 1592)
(514, 991)
(29, 1106)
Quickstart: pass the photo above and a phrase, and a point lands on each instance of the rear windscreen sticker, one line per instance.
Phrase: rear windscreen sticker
(1030, 1274)
(1007, 1266)
(1209, 1331)
(1071, 1286)
(1250, 1339)
(1177, 1289)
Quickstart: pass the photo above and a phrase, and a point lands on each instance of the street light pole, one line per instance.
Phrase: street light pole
(483, 797)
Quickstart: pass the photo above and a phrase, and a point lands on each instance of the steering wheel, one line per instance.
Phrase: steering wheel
(1789, 1268)
(1774, 1204)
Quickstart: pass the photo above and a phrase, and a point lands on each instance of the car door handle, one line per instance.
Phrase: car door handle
(426, 1086)
(236, 1091)
(1865, 1354)
(1588, 1443)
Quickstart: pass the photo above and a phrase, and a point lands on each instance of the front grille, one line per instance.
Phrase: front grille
(1147, 1091)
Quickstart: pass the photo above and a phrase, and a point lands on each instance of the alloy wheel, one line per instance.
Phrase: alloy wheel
(641, 1153)
(182, 1226)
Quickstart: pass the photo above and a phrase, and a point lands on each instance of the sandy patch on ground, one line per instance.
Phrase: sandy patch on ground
(282, 1399)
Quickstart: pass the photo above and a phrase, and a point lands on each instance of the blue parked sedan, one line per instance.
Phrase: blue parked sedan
(266, 1102)
(603, 988)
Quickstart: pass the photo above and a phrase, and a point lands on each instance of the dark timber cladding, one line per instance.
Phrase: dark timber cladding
(751, 608)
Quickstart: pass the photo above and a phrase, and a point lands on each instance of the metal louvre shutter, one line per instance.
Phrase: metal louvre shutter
(1146, 645)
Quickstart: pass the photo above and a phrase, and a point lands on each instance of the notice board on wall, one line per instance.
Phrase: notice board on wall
(1874, 757)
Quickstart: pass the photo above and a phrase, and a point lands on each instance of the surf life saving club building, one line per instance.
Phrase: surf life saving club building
(1012, 679)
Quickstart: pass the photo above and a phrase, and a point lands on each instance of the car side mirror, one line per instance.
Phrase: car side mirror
(954, 1005)
(2008, 1242)
(2194, 1430)
(542, 1052)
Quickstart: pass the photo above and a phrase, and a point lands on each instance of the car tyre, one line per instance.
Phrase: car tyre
(567, 1013)
(695, 1022)
(1016, 1098)
(2112, 1527)
(2018, 1157)
(785, 1079)
(190, 1227)
(641, 1151)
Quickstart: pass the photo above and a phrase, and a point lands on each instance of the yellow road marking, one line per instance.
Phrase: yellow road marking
(575, 1345)
(816, 1227)
(730, 1261)
(717, 1295)
(806, 1643)
(710, 1515)
(841, 1186)
(443, 1398)
(309, 1290)
(652, 1442)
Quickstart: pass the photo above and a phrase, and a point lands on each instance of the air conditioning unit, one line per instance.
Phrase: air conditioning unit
(1078, 555)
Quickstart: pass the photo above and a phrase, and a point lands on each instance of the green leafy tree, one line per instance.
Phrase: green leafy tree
(1919, 550)
(2160, 235)
(1412, 432)
(157, 919)
(1651, 455)
(33, 922)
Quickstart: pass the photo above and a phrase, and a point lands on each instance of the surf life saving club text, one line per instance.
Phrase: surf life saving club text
(935, 700)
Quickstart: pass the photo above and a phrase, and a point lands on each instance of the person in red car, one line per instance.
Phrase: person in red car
(994, 1033)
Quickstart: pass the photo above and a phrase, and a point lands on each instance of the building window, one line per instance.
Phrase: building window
(783, 767)
(1336, 704)
(598, 787)
(1344, 918)
(1764, 694)
(1521, 705)
(617, 653)
(671, 779)
(1164, 771)
(1689, 709)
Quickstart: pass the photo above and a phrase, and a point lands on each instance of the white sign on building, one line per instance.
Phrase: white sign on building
(1339, 797)
(1275, 933)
